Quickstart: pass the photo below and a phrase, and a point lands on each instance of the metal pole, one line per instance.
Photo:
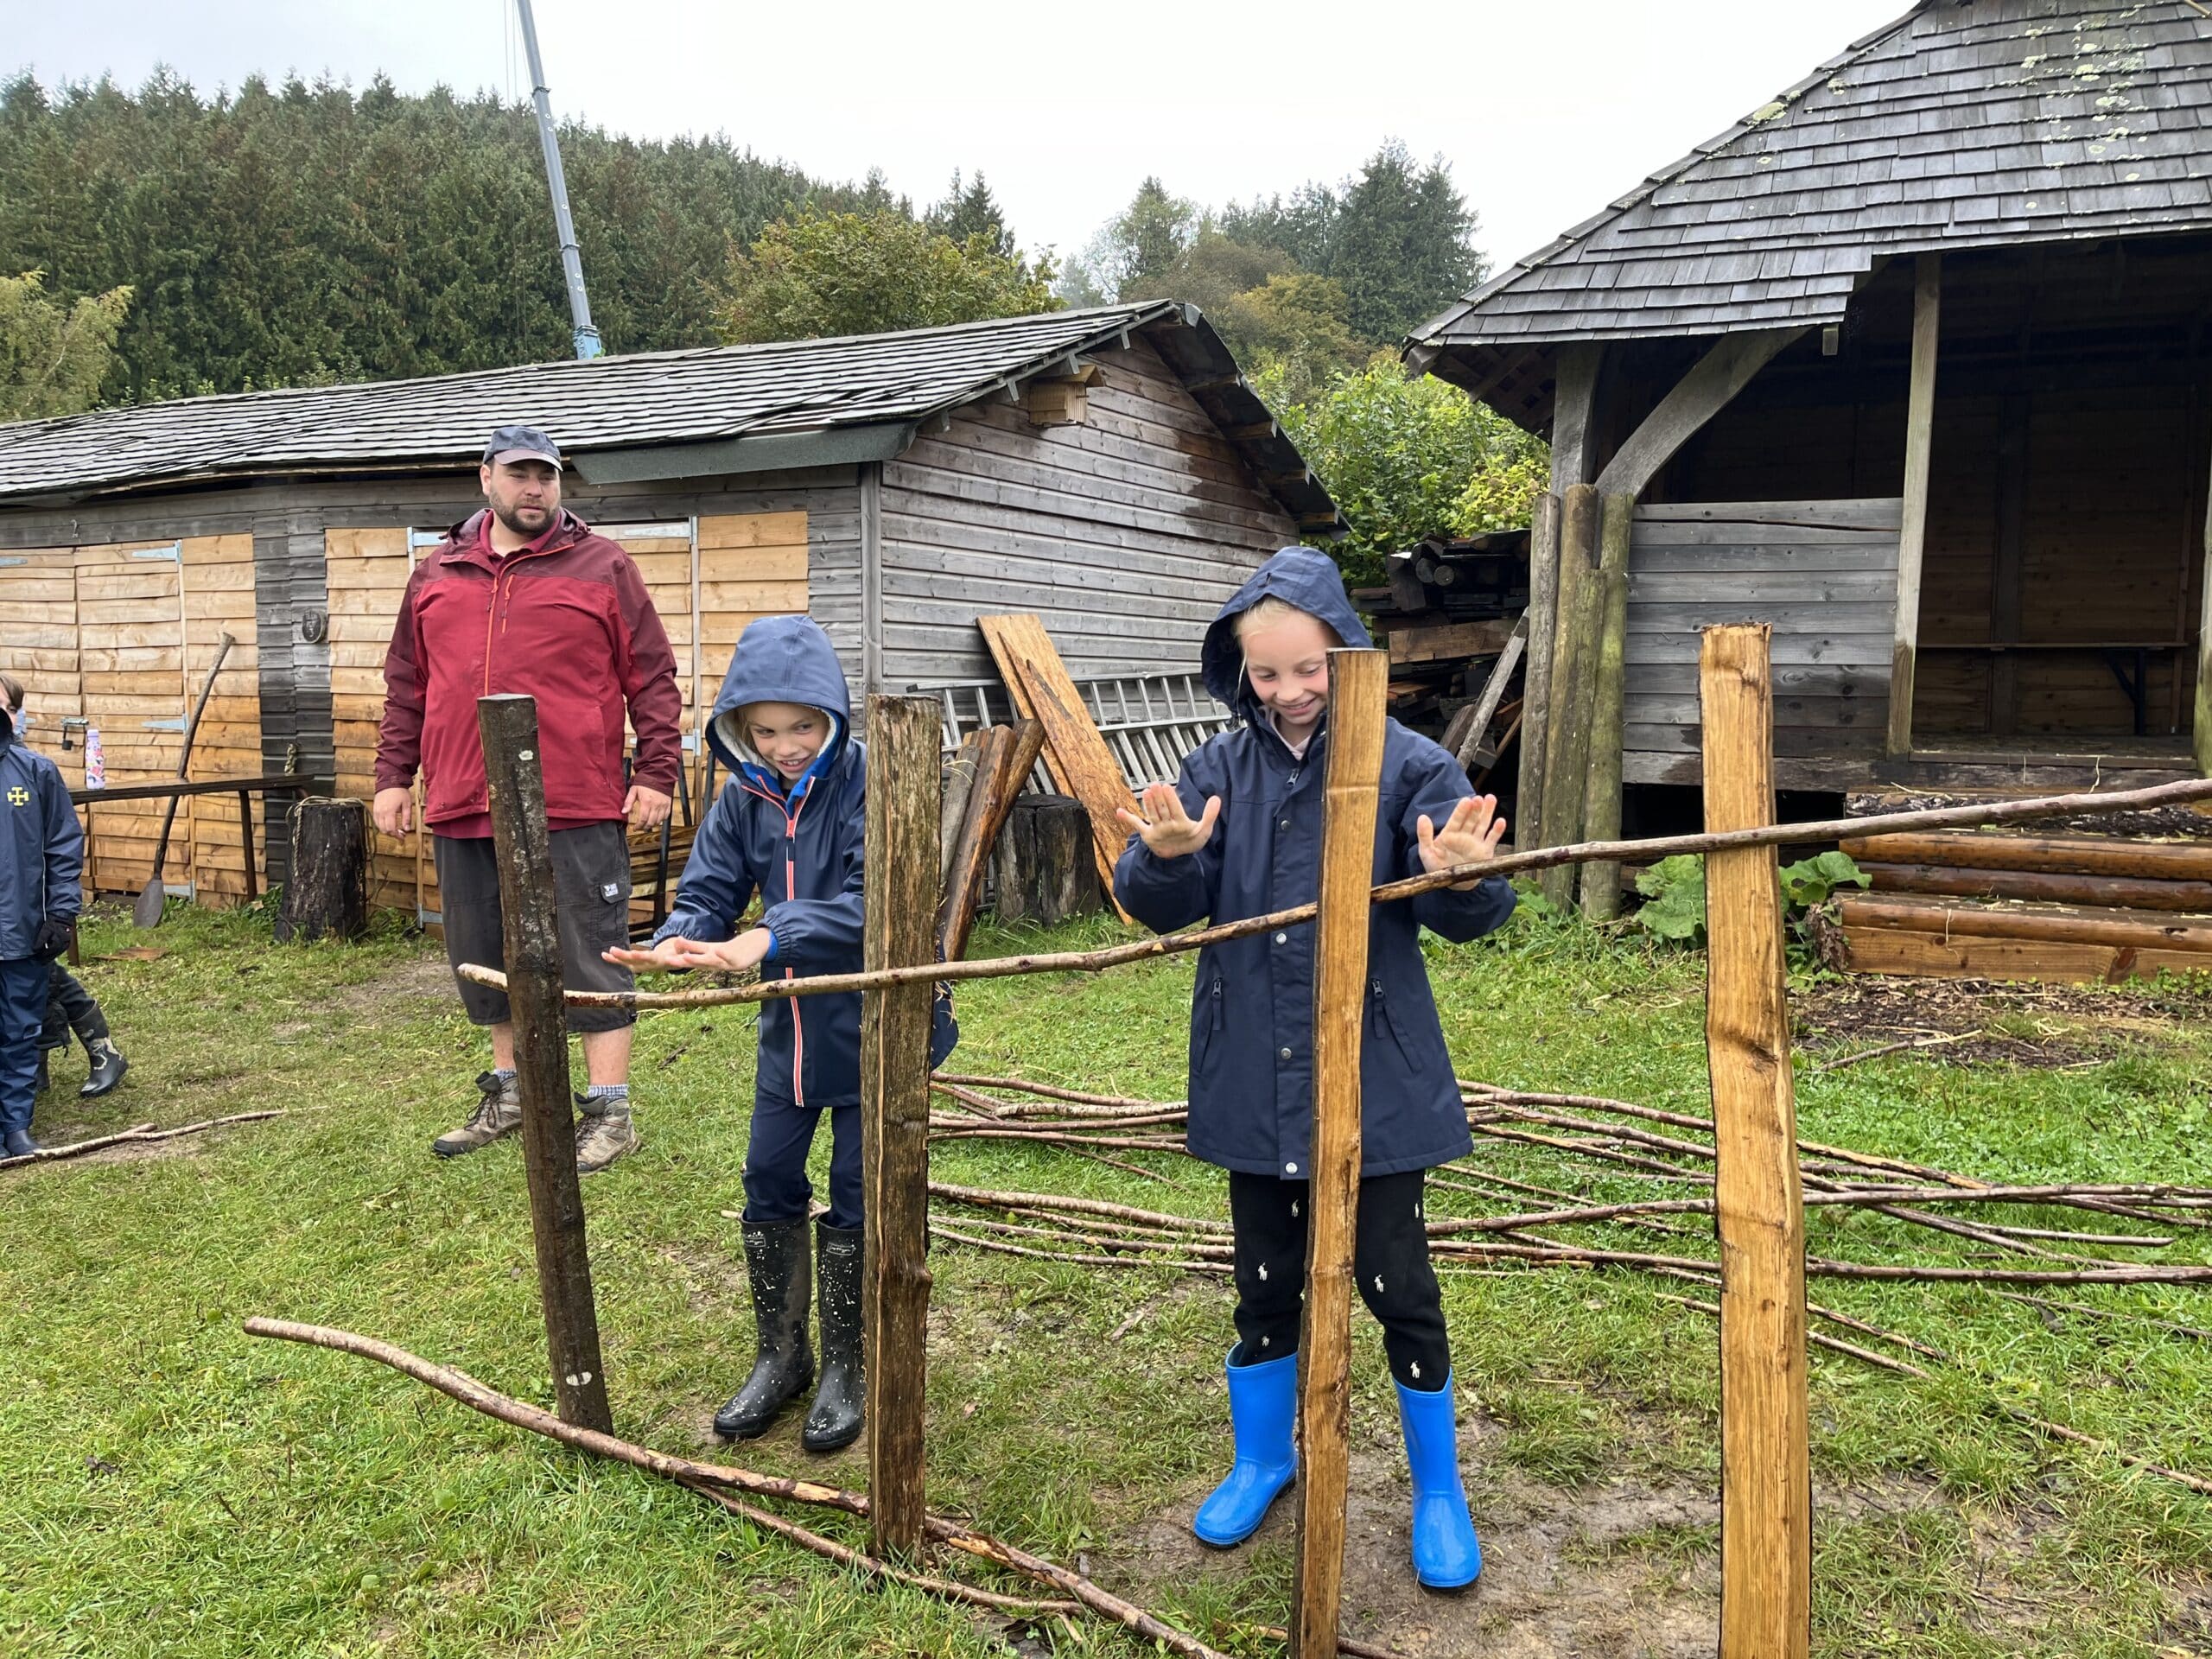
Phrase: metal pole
(572, 264)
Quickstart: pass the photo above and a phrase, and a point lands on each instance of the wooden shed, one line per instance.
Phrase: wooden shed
(1912, 361)
(1107, 469)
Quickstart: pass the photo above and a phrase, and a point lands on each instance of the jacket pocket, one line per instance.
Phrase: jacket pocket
(1207, 1021)
(1382, 1022)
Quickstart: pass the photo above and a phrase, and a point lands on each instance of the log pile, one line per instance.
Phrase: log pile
(985, 776)
(2060, 907)
(1445, 618)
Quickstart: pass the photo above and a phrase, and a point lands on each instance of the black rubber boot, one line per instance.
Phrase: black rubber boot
(776, 1263)
(108, 1067)
(45, 1075)
(839, 1403)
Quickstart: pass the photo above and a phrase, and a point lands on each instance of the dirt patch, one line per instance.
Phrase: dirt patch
(420, 984)
(1978, 1022)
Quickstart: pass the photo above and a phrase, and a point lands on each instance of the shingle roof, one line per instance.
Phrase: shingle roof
(1964, 123)
(610, 404)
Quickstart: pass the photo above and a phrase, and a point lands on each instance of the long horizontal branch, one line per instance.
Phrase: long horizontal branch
(458, 1385)
(1539, 858)
(136, 1135)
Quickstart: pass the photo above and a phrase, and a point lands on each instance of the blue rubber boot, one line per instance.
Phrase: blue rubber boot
(1263, 1409)
(1445, 1553)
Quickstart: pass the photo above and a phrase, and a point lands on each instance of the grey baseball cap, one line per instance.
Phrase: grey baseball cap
(520, 444)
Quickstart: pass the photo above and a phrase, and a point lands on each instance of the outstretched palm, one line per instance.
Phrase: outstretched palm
(1168, 831)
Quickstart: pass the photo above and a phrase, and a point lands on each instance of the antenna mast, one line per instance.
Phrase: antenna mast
(572, 264)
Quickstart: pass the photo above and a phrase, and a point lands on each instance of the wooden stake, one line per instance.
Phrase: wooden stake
(1912, 538)
(901, 909)
(1358, 685)
(1766, 1493)
(1601, 801)
(531, 931)
(1542, 617)
(1574, 648)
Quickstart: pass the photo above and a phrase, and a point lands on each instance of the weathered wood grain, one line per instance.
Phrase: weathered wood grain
(1766, 1496)
(901, 904)
(1359, 686)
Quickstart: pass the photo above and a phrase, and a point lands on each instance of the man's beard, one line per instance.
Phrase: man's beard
(510, 517)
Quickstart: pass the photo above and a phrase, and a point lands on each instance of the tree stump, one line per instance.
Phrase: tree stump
(1045, 866)
(328, 892)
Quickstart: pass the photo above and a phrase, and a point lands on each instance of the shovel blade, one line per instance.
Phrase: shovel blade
(149, 910)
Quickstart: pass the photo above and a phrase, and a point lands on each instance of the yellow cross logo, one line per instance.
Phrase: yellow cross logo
(19, 796)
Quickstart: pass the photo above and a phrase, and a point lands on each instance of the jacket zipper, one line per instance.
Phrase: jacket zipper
(790, 891)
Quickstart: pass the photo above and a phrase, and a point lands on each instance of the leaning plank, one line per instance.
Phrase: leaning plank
(1081, 763)
(1485, 707)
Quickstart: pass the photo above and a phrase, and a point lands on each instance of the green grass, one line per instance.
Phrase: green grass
(170, 1487)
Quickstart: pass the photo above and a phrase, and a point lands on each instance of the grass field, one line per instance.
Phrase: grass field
(169, 1486)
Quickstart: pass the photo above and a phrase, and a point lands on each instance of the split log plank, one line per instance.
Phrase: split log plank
(507, 727)
(1574, 645)
(1601, 801)
(1766, 1491)
(1956, 882)
(1076, 756)
(2127, 930)
(901, 904)
(2162, 861)
(1350, 789)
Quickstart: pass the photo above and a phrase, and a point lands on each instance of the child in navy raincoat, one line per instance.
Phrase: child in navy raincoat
(1239, 835)
(789, 826)
(41, 859)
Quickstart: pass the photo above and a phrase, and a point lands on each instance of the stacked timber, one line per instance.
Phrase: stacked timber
(1444, 619)
(1990, 905)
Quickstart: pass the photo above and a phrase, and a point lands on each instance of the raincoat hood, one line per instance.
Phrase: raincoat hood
(781, 659)
(1301, 576)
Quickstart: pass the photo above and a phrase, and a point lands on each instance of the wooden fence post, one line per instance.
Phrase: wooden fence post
(1601, 805)
(1574, 648)
(531, 934)
(1542, 617)
(903, 853)
(1766, 1495)
(1359, 681)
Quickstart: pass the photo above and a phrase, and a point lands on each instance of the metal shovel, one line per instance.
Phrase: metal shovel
(147, 912)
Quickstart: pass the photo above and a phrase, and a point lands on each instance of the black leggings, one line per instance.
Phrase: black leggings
(1389, 1260)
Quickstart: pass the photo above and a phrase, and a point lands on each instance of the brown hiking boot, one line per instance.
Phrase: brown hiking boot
(499, 1112)
(602, 1137)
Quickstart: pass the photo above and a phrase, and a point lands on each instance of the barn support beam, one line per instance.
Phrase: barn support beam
(1711, 385)
(1574, 403)
(1919, 427)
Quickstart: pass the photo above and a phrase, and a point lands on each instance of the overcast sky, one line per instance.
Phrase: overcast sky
(1545, 109)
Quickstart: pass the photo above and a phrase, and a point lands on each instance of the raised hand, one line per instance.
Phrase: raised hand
(1168, 831)
(1469, 836)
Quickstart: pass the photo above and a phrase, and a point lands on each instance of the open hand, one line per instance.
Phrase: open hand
(1469, 836)
(1167, 829)
(679, 954)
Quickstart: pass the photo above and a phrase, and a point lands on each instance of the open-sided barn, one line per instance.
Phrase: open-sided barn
(1911, 361)
(1106, 469)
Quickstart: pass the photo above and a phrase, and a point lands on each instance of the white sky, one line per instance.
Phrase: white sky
(1545, 109)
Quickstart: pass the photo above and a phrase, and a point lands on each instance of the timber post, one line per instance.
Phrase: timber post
(1912, 534)
(1567, 742)
(1536, 677)
(1766, 1498)
(1601, 804)
(900, 931)
(530, 935)
(1359, 681)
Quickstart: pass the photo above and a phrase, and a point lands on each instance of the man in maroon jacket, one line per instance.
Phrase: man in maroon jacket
(524, 597)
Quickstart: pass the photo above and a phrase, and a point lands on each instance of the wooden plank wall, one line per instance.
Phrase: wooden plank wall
(1124, 532)
(745, 566)
(281, 592)
(1822, 573)
(219, 598)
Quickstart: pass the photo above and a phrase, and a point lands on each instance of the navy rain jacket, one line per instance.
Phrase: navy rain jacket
(1251, 1021)
(44, 857)
(801, 849)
